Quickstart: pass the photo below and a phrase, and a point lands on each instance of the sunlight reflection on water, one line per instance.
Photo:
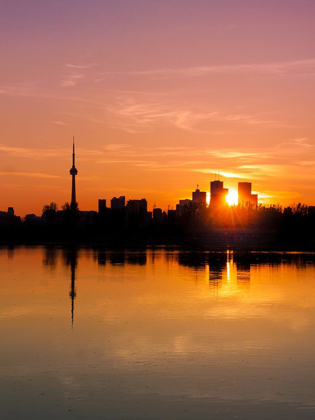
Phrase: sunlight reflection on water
(156, 334)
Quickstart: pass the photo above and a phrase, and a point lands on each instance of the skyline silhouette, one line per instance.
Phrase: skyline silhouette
(224, 87)
(218, 197)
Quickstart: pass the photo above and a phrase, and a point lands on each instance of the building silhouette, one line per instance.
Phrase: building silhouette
(218, 194)
(182, 205)
(157, 214)
(101, 205)
(10, 211)
(245, 195)
(73, 173)
(117, 203)
(199, 196)
(137, 206)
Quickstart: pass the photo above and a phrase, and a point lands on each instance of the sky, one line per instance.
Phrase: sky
(160, 96)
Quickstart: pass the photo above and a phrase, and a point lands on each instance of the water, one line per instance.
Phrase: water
(158, 334)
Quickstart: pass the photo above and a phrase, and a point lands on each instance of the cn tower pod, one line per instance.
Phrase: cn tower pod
(73, 171)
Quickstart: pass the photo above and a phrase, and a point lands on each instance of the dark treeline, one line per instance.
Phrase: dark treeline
(256, 227)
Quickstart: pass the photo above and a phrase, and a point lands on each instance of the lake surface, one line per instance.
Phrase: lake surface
(157, 334)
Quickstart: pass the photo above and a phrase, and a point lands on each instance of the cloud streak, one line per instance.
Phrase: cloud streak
(297, 67)
(30, 175)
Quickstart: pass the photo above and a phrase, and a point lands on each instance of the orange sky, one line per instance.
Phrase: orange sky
(160, 96)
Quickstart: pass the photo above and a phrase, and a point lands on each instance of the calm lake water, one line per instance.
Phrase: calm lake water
(159, 334)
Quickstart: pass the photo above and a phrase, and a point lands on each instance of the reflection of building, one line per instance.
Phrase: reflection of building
(217, 263)
(70, 260)
(101, 258)
(73, 293)
(245, 195)
(199, 196)
(218, 194)
(101, 205)
(243, 272)
(117, 203)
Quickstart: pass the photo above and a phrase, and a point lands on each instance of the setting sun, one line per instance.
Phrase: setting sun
(232, 197)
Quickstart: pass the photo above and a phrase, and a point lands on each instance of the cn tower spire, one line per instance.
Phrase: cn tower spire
(73, 173)
(73, 153)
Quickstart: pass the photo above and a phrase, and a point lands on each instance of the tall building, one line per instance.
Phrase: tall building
(182, 205)
(101, 205)
(157, 214)
(73, 173)
(199, 196)
(245, 195)
(218, 194)
(10, 211)
(117, 203)
(137, 205)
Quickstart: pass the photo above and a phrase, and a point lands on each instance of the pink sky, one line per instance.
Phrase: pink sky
(160, 96)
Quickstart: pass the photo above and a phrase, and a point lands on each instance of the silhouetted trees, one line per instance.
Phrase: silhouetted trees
(192, 222)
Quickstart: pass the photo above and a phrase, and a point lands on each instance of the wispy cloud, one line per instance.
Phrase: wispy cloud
(224, 174)
(272, 68)
(29, 175)
(75, 72)
(71, 80)
(60, 123)
(32, 153)
(80, 66)
(138, 116)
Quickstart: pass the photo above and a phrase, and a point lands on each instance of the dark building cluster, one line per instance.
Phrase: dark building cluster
(218, 196)
(218, 201)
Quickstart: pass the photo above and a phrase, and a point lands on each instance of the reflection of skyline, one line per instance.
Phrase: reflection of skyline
(235, 268)
(120, 258)
(148, 330)
(228, 272)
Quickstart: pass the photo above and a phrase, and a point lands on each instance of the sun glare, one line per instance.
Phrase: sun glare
(232, 197)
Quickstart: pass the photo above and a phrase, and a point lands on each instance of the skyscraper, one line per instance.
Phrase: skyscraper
(73, 173)
(218, 194)
(199, 196)
(245, 196)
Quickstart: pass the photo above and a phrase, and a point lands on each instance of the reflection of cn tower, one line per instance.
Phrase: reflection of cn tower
(72, 293)
(73, 173)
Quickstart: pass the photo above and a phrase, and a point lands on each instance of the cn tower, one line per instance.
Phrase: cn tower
(73, 173)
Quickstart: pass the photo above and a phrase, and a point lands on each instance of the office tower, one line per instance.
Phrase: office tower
(245, 196)
(10, 211)
(73, 173)
(117, 203)
(218, 194)
(137, 205)
(101, 205)
(199, 196)
(157, 214)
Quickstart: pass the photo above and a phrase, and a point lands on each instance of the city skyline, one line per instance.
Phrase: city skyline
(218, 195)
(161, 96)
